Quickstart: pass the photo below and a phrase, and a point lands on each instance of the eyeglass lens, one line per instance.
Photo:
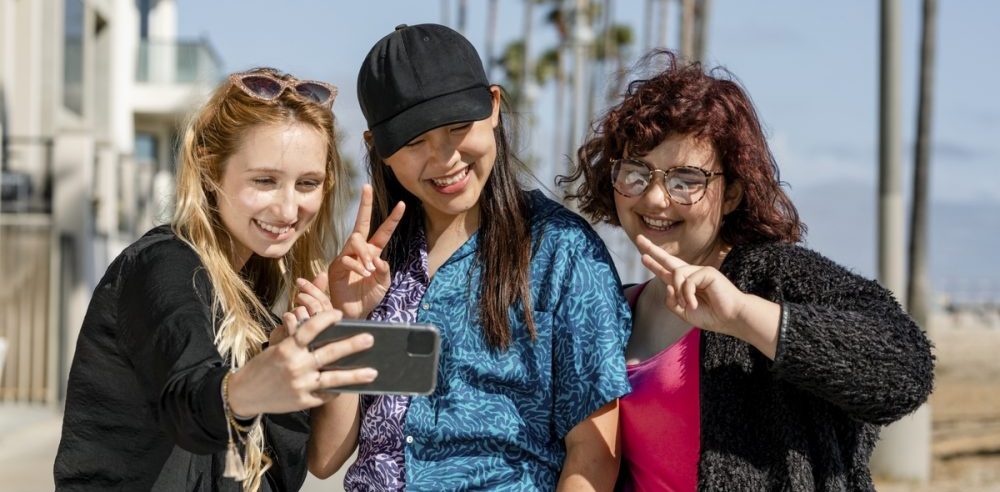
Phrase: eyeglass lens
(315, 92)
(262, 86)
(684, 185)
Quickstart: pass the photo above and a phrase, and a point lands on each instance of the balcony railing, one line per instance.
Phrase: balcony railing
(177, 62)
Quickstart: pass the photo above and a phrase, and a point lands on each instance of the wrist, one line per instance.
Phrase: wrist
(758, 324)
(240, 404)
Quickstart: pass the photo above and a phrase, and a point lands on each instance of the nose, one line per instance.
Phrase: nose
(443, 149)
(656, 192)
(286, 204)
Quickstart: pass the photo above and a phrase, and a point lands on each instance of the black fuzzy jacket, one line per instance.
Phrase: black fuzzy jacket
(849, 360)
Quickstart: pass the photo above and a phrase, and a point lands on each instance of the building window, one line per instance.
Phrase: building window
(73, 56)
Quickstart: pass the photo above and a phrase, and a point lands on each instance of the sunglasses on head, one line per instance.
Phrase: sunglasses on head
(267, 87)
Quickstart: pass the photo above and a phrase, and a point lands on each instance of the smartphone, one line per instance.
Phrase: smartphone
(405, 356)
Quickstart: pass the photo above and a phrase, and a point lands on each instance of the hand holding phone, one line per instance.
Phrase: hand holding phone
(405, 356)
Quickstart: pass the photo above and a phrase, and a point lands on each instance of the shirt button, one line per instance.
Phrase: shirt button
(426, 306)
(409, 439)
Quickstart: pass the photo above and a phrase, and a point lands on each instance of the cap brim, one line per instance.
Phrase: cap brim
(466, 105)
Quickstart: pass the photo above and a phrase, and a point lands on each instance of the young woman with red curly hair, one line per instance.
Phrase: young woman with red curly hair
(756, 364)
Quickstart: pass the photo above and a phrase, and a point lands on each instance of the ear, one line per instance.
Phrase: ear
(495, 96)
(732, 197)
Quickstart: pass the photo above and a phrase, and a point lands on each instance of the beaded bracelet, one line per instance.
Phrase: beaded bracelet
(234, 468)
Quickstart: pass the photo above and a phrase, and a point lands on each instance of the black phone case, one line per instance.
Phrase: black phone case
(405, 356)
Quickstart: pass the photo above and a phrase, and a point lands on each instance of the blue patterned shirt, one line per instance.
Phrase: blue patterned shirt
(497, 420)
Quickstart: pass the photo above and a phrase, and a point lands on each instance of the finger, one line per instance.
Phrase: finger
(677, 282)
(290, 323)
(334, 351)
(316, 324)
(668, 260)
(362, 223)
(349, 264)
(671, 300)
(384, 232)
(309, 302)
(690, 288)
(362, 251)
(314, 291)
(301, 314)
(335, 379)
(659, 270)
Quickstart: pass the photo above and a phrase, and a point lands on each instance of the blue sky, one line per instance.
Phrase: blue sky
(811, 68)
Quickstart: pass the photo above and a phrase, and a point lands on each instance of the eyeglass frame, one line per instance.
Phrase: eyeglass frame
(237, 80)
(652, 177)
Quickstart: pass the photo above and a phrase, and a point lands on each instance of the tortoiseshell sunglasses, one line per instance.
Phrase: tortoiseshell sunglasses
(267, 87)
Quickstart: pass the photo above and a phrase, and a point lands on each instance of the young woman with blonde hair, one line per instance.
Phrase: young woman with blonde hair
(183, 379)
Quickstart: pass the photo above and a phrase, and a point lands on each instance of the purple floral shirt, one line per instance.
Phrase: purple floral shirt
(380, 462)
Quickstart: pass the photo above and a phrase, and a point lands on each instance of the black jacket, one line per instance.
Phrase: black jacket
(848, 361)
(143, 405)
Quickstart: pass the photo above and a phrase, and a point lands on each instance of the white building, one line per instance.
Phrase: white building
(92, 96)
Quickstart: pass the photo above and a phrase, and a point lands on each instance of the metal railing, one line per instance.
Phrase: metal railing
(177, 62)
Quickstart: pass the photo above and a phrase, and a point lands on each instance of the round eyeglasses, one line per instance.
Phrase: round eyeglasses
(685, 185)
(266, 87)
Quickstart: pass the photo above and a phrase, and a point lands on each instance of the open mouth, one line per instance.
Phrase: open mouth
(273, 229)
(659, 224)
(452, 179)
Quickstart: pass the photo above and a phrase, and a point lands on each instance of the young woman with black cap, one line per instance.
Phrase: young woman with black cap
(532, 319)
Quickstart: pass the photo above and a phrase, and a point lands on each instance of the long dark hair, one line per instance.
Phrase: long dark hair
(504, 245)
(683, 99)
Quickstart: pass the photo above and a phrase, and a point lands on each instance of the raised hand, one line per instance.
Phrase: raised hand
(359, 278)
(704, 297)
(700, 295)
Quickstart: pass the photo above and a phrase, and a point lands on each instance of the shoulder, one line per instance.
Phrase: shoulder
(161, 256)
(554, 224)
(771, 255)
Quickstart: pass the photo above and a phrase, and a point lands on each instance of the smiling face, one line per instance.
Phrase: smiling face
(272, 188)
(690, 232)
(446, 168)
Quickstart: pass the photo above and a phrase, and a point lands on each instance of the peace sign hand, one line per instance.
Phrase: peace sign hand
(358, 277)
(700, 295)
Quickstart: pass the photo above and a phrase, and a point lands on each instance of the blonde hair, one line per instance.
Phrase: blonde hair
(242, 300)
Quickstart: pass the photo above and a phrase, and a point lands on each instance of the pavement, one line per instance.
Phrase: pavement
(29, 438)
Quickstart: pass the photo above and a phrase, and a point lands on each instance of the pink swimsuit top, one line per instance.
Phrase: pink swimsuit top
(660, 418)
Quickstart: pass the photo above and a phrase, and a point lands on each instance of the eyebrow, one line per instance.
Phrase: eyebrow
(276, 170)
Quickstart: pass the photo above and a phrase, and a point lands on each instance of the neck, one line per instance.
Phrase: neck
(458, 227)
(713, 256)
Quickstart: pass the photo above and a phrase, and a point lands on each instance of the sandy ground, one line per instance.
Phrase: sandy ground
(965, 408)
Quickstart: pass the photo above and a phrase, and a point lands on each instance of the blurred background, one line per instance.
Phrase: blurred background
(883, 117)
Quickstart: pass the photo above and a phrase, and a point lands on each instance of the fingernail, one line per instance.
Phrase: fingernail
(367, 340)
(371, 266)
(369, 374)
(300, 281)
(367, 273)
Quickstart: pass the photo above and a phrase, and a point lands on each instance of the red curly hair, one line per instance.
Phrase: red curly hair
(685, 100)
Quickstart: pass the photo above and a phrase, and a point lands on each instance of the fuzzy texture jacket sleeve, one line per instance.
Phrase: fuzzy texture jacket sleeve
(843, 338)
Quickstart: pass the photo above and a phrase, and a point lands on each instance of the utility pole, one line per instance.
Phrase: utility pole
(687, 29)
(903, 453)
(582, 37)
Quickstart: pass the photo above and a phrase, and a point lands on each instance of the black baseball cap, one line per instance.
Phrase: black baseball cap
(419, 78)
